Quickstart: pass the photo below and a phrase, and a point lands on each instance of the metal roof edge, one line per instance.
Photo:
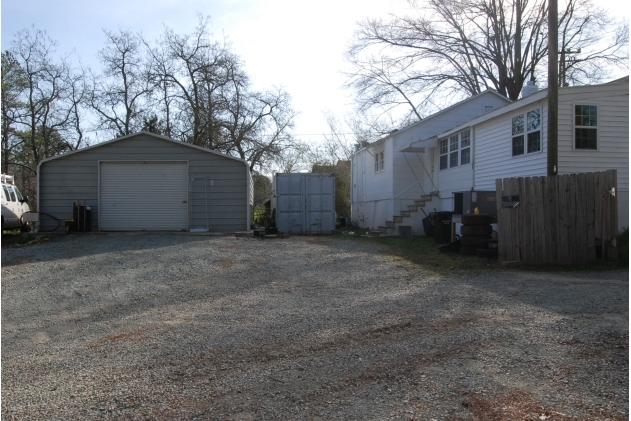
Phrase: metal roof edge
(137, 134)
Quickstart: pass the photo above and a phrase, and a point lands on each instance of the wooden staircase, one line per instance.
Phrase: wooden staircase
(390, 227)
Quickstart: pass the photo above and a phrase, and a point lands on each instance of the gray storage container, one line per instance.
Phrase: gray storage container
(304, 203)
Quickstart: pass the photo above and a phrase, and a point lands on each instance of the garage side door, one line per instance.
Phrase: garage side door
(149, 196)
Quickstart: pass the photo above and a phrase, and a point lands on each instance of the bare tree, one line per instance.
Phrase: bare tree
(297, 158)
(206, 99)
(120, 94)
(42, 106)
(51, 93)
(457, 48)
(190, 70)
(257, 125)
(13, 87)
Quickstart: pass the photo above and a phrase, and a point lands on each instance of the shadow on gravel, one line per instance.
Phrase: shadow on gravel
(92, 244)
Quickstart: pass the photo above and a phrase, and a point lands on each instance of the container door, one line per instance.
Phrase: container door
(290, 204)
(320, 203)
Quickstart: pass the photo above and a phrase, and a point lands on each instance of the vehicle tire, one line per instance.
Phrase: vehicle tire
(471, 230)
(488, 244)
(473, 241)
(468, 250)
(476, 219)
(490, 253)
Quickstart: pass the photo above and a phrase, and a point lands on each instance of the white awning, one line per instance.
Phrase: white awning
(420, 145)
(413, 149)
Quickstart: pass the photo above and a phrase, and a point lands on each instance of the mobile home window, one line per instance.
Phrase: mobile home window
(379, 161)
(585, 126)
(465, 148)
(455, 150)
(444, 150)
(526, 132)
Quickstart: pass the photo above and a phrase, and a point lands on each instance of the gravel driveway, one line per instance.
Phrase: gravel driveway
(174, 326)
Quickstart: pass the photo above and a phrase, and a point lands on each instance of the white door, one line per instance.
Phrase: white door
(143, 196)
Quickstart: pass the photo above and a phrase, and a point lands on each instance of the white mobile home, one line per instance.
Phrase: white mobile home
(146, 182)
(396, 178)
(512, 141)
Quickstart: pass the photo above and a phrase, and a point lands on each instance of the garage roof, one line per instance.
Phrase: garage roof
(145, 133)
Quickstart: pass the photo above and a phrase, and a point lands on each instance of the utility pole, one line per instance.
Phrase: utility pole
(563, 65)
(553, 87)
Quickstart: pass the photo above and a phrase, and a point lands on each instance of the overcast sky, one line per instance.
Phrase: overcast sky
(298, 45)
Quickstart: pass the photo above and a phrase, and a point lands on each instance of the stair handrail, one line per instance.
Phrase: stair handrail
(389, 201)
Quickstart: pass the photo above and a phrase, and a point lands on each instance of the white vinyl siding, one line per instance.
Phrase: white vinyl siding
(135, 196)
(612, 150)
(494, 150)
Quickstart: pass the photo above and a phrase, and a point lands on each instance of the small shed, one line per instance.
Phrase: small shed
(146, 182)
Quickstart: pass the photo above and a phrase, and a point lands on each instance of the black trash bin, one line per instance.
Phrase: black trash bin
(441, 222)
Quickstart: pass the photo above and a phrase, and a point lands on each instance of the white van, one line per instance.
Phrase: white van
(13, 205)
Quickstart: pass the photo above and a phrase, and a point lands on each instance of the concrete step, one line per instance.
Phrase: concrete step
(412, 208)
(374, 233)
(420, 203)
(398, 219)
(390, 224)
(426, 197)
(404, 214)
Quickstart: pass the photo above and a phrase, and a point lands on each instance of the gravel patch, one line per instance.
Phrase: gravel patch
(184, 327)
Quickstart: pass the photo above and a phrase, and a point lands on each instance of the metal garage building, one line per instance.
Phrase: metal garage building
(147, 182)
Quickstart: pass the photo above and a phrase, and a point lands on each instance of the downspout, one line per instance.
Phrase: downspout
(473, 157)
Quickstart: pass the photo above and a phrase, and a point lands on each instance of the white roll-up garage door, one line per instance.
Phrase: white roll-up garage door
(136, 196)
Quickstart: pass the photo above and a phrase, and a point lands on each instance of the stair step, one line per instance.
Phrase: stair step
(420, 203)
(412, 208)
(390, 224)
(404, 214)
(426, 197)
(398, 218)
(374, 233)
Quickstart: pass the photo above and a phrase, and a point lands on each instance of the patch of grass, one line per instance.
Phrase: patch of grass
(423, 251)
(13, 238)
(11, 232)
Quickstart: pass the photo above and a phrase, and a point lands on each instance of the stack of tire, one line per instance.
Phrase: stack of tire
(475, 238)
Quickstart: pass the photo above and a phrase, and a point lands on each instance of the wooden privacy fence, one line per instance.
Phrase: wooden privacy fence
(564, 219)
